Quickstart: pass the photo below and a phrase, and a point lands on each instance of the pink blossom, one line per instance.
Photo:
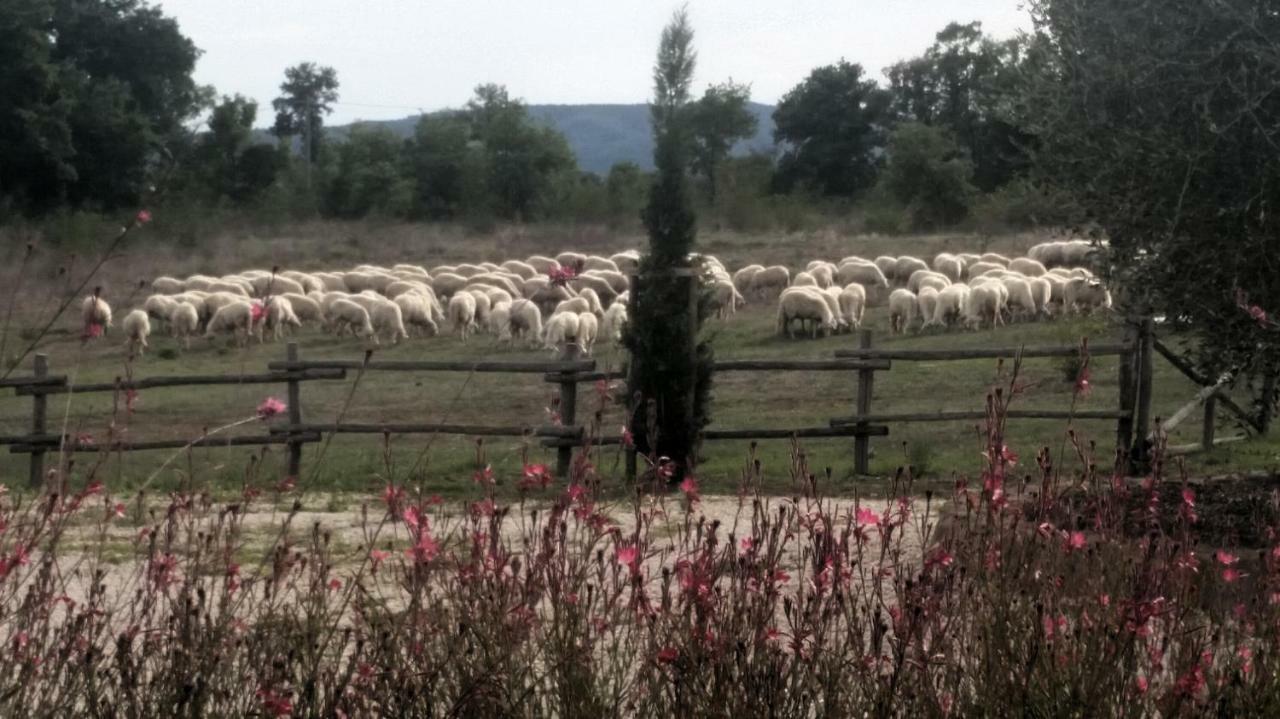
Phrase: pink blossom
(1141, 684)
(536, 475)
(484, 475)
(335, 584)
(866, 517)
(1082, 382)
(1231, 575)
(426, 548)
(668, 655)
(288, 484)
(119, 510)
(748, 545)
(628, 556)
(256, 312)
(627, 440)
(411, 517)
(1225, 558)
(690, 488)
(271, 407)
(666, 468)
(1076, 541)
(92, 330)
(392, 496)
(143, 217)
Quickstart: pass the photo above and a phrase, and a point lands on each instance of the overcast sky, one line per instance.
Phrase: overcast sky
(395, 57)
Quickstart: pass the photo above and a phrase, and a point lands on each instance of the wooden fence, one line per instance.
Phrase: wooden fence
(1133, 415)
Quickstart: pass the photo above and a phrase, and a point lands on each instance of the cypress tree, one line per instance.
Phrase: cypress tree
(672, 391)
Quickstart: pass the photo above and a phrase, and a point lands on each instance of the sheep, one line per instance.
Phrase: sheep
(496, 295)
(571, 259)
(600, 263)
(331, 281)
(996, 258)
(927, 304)
(628, 262)
(159, 307)
(593, 300)
(561, 328)
(986, 304)
(950, 306)
(361, 281)
(864, 273)
(469, 270)
(976, 269)
(618, 281)
(1081, 295)
(387, 317)
(804, 304)
(483, 306)
(588, 329)
(500, 281)
(902, 310)
(824, 274)
(462, 314)
(576, 305)
(137, 327)
(614, 319)
(853, 303)
(279, 313)
(344, 314)
(275, 285)
(774, 278)
(1027, 266)
(446, 284)
(804, 279)
(906, 265)
(831, 296)
(305, 308)
(742, 278)
(406, 268)
(400, 287)
(168, 286)
(516, 267)
(309, 283)
(919, 276)
(602, 288)
(541, 291)
(725, 298)
(937, 282)
(1020, 300)
(1078, 253)
(542, 265)
(526, 320)
(500, 321)
(886, 264)
(1041, 293)
(442, 268)
(415, 311)
(236, 318)
(949, 266)
(95, 312)
(183, 320)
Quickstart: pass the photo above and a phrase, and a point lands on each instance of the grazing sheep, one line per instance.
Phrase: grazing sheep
(853, 303)
(95, 312)
(483, 306)
(331, 282)
(576, 305)
(602, 288)
(742, 278)
(168, 286)
(927, 304)
(468, 270)
(387, 318)
(1027, 266)
(825, 275)
(864, 273)
(462, 314)
(614, 319)
(887, 265)
(500, 322)
(977, 269)
(831, 295)
(772, 279)
(526, 320)
(804, 279)
(950, 266)
(561, 328)
(159, 307)
(600, 263)
(628, 262)
(725, 298)
(235, 318)
(950, 306)
(571, 259)
(1042, 294)
(986, 304)
(417, 270)
(279, 314)
(807, 305)
(1078, 253)
(995, 257)
(902, 310)
(1019, 302)
(137, 328)
(618, 281)
(920, 276)
(305, 308)
(588, 329)
(184, 321)
(415, 310)
(446, 284)
(1085, 296)
(516, 267)
(344, 314)
(400, 287)
(275, 285)
(906, 266)
(309, 282)
(542, 264)
(511, 284)
(593, 300)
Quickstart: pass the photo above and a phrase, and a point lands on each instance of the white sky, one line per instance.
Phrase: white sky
(395, 57)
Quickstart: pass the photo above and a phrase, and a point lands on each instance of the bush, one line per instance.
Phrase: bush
(929, 175)
(1022, 205)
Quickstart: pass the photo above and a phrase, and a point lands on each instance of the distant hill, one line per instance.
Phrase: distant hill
(601, 135)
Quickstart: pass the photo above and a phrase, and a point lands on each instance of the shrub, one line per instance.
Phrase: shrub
(929, 175)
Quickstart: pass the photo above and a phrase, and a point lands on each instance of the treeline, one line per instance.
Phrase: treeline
(97, 100)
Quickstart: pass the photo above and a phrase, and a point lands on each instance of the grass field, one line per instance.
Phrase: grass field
(443, 464)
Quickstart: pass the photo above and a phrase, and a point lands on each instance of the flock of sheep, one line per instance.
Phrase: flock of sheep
(957, 289)
(545, 301)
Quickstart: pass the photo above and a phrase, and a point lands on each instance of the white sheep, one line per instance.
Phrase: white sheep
(772, 279)
(615, 318)
(906, 265)
(628, 261)
(168, 286)
(462, 314)
(95, 312)
(919, 278)
(1085, 296)
(1027, 266)
(588, 329)
(902, 310)
(950, 266)
(235, 318)
(804, 279)
(469, 270)
(824, 273)
(951, 306)
(415, 310)
(986, 304)
(1019, 302)
(387, 318)
(602, 288)
(864, 273)
(725, 298)
(832, 297)
(541, 264)
(345, 314)
(593, 300)
(159, 307)
(742, 278)
(995, 257)
(853, 303)
(483, 306)
(516, 267)
(927, 304)
(305, 307)
(137, 327)
(561, 328)
(526, 320)
(571, 259)
(278, 315)
(576, 305)
(976, 269)
(618, 281)
(807, 305)
(887, 264)
(600, 263)
(446, 284)
(1042, 293)
(184, 321)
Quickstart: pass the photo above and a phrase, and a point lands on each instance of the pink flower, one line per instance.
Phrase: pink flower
(627, 440)
(628, 556)
(748, 545)
(335, 584)
(426, 548)
(270, 407)
(256, 312)
(1082, 382)
(288, 484)
(274, 705)
(940, 557)
(84, 439)
(1188, 497)
(1225, 558)
(1141, 684)
(484, 475)
(143, 217)
(378, 556)
(867, 517)
(1076, 541)
(536, 475)
(118, 510)
(668, 655)
(1231, 574)
(690, 488)
(411, 517)
(92, 330)
(666, 468)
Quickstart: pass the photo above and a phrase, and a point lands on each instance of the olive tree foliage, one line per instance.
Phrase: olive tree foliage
(659, 335)
(717, 120)
(306, 96)
(1162, 118)
(929, 175)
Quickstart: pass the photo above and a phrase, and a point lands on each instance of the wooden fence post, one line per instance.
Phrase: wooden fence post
(295, 414)
(568, 409)
(866, 380)
(1128, 388)
(1206, 431)
(1268, 400)
(39, 417)
(1146, 367)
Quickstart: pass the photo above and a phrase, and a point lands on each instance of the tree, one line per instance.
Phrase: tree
(966, 82)
(832, 128)
(225, 161)
(306, 96)
(369, 178)
(929, 175)
(674, 391)
(717, 120)
(1172, 146)
(438, 159)
(625, 190)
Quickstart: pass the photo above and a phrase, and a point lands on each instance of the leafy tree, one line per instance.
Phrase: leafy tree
(675, 392)
(832, 127)
(1171, 145)
(36, 150)
(369, 177)
(225, 161)
(625, 189)
(306, 96)
(717, 120)
(439, 158)
(929, 175)
(522, 158)
(966, 82)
